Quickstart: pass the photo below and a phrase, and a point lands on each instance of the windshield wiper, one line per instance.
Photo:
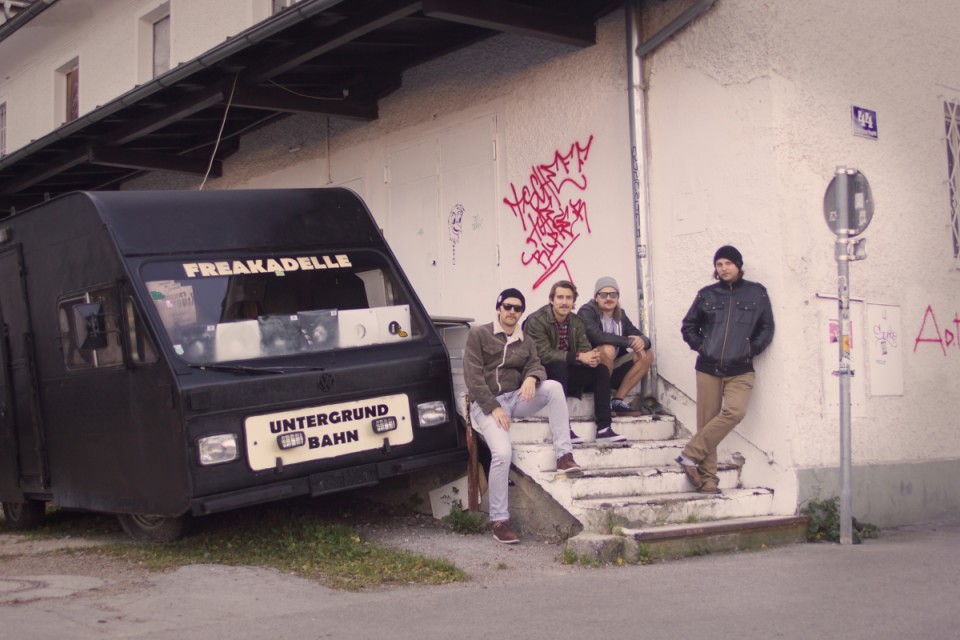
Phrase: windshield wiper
(233, 368)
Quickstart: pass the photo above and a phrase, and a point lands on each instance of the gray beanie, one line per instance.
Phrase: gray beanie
(605, 281)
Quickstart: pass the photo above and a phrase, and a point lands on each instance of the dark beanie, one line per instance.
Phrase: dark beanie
(730, 253)
(511, 293)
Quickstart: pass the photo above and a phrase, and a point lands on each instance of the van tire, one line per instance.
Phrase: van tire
(25, 515)
(148, 528)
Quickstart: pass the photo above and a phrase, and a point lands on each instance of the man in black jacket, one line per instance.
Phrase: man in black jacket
(623, 348)
(729, 324)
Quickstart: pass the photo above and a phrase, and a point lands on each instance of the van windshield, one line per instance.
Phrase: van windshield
(246, 308)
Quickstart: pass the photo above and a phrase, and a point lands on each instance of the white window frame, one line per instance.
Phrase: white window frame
(147, 44)
(951, 112)
(62, 111)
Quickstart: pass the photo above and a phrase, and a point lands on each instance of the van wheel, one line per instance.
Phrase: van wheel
(28, 514)
(147, 528)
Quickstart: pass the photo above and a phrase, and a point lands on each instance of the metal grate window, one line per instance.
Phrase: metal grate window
(951, 112)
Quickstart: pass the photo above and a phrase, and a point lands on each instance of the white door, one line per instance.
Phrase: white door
(443, 222)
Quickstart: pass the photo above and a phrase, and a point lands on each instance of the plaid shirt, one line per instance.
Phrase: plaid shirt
(562, 343)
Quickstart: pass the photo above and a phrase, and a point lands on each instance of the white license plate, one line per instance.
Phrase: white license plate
(330, 430)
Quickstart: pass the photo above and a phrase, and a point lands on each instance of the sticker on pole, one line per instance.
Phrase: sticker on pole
(859, 204)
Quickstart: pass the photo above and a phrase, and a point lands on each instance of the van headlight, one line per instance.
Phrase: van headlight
(217, 449)
(432, 413)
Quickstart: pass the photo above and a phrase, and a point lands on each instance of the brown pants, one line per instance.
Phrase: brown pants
(721, 405)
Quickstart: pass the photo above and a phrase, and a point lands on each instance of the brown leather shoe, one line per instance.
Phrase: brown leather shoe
(693, 474)
(710, 486)
(568, 466)
(503, 533)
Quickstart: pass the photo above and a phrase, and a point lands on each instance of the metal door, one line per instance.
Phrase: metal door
(21, 420)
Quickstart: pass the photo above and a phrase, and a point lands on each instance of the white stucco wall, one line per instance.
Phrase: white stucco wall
(105, 36)
(770, 87)
(749, 115)
(545, 97)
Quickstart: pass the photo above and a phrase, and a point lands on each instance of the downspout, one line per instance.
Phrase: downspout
(640, 158)
(640, 175)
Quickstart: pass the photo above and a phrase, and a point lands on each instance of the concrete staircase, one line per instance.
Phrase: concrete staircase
(633, 501)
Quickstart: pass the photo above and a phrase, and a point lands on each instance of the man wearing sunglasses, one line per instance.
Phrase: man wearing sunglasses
(622, 346)
(506, 380)
(568, 358)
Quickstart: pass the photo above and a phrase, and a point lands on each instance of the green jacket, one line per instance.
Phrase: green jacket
(541, 326)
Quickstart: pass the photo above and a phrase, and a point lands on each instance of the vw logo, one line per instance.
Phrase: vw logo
(325, 383)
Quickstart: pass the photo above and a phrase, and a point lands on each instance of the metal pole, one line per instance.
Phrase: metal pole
(641, 198)
(843, 302)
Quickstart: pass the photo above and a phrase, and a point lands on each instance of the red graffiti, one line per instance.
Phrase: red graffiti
(550, 211)
(945, 339)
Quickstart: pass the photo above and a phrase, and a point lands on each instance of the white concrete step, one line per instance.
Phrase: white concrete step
(537, 430)
(604, 515)
(533, 458)
(639, 481)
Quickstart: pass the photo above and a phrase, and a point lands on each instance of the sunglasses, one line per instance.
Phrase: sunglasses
(512, 307)
(608, 294)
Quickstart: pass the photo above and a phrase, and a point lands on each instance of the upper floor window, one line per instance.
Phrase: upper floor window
(951, 112)
(280, 5)
(161, 46)
(68, 92)
(154, 42)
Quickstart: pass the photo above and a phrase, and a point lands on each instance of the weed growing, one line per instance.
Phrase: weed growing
(825, 522)
(465, 521)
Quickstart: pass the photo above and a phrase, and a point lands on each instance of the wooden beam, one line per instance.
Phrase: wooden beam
(366, 20)
(509, 17)
(146, 161)
(277, 99)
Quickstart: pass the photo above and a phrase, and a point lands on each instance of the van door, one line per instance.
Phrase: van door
(22, 417)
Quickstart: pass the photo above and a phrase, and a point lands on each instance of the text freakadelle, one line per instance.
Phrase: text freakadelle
(278, 266)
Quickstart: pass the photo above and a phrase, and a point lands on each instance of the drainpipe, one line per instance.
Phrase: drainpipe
(639, 165)
(640, 156)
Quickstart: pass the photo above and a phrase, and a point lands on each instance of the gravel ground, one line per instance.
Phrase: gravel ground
(486, 562)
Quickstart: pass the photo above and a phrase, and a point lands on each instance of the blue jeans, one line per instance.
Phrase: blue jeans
(549, 394)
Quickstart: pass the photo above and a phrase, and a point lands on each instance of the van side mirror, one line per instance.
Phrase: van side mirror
(90, 331)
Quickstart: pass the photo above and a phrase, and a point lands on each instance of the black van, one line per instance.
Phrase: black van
(171, 353)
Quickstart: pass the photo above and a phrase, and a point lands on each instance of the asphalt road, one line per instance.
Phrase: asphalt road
(905, 584)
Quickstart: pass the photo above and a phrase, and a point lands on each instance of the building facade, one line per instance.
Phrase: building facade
(518, 160)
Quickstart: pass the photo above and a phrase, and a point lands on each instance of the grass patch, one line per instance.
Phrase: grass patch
(296, 538)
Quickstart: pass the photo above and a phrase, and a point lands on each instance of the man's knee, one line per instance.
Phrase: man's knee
(552, 388)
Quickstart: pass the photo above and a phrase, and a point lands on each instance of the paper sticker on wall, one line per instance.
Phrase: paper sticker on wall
(830, 357)
(884, 350)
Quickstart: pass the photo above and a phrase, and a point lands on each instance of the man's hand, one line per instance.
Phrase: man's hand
(528, 389)
(503, 420)
(589, 358)
(637, 344)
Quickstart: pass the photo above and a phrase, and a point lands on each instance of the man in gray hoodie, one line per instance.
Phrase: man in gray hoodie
(505, 380)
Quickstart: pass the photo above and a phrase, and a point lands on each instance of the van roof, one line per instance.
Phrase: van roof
(156, 222)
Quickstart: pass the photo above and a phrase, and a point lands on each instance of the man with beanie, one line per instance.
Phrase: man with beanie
(568, 358)
(505, 380)
(623, 349)
(728, 325)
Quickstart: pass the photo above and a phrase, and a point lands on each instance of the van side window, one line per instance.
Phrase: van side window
(142, 350)
(102, 330)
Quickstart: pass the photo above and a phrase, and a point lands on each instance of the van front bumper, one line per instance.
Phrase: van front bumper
(319, 484)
